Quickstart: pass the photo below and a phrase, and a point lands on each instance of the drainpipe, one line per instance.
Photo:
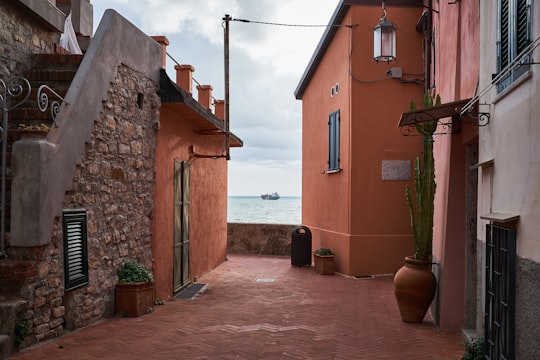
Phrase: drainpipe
(428, 33)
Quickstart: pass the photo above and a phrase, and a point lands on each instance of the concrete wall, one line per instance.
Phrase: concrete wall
(259, 239)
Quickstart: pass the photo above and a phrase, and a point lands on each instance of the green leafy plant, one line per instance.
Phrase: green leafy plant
(323, 252)
(474, 350)
(22, 330)
(158, 301)
(422, 208)
(132, 272)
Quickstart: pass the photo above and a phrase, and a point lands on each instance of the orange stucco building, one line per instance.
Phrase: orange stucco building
(356, 162)
(189, 230)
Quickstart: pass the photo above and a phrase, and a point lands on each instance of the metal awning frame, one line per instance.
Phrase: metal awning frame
(449, 117)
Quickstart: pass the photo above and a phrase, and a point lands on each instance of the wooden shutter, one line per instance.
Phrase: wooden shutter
(333, 141)
(75, 249)
(523, 25)
(504, 34)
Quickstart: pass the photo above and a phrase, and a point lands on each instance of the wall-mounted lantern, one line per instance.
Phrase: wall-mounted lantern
(384, 39)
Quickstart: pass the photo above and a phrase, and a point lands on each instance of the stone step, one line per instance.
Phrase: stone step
(47, 61)
(10, 309)
(6, 346)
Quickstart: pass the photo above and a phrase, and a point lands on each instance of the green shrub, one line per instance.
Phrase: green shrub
(22, 330)
(323, 252)
(474, 350)
(133, 272)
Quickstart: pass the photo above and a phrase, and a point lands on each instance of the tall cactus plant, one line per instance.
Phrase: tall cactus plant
(422, 208)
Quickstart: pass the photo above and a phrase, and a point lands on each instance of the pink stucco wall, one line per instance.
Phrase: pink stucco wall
(456, 75)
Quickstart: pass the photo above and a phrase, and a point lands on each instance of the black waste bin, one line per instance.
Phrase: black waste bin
(301, 246)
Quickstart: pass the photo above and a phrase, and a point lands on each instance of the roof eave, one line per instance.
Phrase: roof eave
(325, 41)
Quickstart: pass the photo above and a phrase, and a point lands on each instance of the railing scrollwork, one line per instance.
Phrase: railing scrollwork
(43, 101)
(13, 93)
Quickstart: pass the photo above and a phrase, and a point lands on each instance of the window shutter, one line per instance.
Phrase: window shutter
(504, 35)
(333, 141)
(514, 35)
(523, 25)
(75, 249)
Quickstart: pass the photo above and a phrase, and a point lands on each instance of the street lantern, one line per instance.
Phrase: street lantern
(384, 39)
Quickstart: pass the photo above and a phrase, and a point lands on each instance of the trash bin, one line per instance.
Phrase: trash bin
(301, 246)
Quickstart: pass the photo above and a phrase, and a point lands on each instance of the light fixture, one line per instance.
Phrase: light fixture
(384, 39)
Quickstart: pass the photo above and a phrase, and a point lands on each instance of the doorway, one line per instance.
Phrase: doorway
(181, 225)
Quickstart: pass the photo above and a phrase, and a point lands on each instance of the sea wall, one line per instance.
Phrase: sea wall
(259, 239)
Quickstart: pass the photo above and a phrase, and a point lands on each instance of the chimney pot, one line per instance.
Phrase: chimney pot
(205, 95)
(219, 109)
(184, 77)
(164, 42)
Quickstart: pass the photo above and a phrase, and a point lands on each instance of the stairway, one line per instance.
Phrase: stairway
(20, 270)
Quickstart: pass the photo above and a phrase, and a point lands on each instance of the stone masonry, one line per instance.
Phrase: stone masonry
(114, 183)
(20, 38)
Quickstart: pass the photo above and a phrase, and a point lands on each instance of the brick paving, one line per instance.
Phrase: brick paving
(263, 308)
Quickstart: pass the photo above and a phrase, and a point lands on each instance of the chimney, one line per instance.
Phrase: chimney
(205, 95)
(219, 109)
(184, 77)
(163, 41)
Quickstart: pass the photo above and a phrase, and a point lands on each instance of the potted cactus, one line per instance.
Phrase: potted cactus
(414, 283)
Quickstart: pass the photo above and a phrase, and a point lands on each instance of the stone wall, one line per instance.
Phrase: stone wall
(19, 38)
(527, 304)
(114, 183)
(259, 239)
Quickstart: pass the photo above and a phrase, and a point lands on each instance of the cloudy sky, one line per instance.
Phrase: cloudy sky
(266, 64)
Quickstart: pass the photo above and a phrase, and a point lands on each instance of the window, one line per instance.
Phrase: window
(75, 251)
(514, 35)
(333, 141)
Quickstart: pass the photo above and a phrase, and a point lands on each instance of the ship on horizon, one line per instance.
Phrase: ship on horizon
(270, 196)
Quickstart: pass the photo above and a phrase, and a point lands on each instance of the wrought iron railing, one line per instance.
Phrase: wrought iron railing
(13, 93)
(500, 293)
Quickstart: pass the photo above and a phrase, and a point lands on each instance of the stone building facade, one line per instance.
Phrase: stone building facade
(114, 184)
(19, 38)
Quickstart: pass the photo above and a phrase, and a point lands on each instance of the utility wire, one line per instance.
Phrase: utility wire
(290, 25)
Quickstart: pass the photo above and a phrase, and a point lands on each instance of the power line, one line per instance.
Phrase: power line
(290, 25)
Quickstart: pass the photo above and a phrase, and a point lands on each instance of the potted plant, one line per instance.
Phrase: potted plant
(134, 290)
(324, 261)
(414, 283)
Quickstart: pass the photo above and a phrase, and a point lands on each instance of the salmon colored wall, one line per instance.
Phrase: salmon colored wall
(325, 197)
(360, 216)
(208, 215)
(457, 71)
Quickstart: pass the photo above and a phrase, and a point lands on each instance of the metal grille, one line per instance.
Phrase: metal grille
(500, 292)
(75, 249)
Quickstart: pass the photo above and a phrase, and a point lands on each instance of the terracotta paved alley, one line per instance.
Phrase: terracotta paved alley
(262, 308)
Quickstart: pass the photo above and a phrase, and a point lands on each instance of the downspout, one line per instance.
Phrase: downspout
(428, 33)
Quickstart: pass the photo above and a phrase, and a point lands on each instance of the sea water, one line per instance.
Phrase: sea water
(253, 209)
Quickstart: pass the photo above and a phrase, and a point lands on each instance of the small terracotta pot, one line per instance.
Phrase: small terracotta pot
(324, 264)
(414, 288)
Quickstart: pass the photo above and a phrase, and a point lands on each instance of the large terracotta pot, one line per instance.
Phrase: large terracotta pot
(134, 299)
(414, 287)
